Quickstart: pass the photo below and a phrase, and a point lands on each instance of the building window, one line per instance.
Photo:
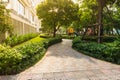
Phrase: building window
(32, 18)
(21, 9)
(27, 13)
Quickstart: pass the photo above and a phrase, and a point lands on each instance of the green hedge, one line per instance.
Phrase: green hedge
(13, 61)
(9, 59)
(105, 38)
(100, 51)
(67, 36)
(15, 40)
(52, 41)
(31, 53)
(45, 35)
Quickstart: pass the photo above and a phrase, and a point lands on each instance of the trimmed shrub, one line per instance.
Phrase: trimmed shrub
(13, 61)
(100, 51)
(52, 41)
(15, 40)
(67, 36)
(105, 38)
(45, 36)
(109, 38)
(32, 52)
(9, 59)
(77, 40)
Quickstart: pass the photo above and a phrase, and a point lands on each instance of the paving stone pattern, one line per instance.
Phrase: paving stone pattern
(61, 62)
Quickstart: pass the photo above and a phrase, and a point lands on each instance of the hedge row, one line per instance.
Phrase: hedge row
(15, 40)
(13, 61)
(100, 51)
(105, 38)
(52, 41)
(9, 59)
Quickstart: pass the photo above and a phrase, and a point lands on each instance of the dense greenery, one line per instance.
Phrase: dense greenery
(102, 17)
(101, 51)
(4, 20)
(67, 36)
(15, 60)
(52, 41)
(15, 40)
(9, 60)
(56, 13)
(105, 38)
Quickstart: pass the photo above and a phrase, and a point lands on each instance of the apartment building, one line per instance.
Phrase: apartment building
(23, 15)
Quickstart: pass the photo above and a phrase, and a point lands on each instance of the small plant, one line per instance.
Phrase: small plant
(14, 40)
(101, 51)
(9, 59)
(13, 61)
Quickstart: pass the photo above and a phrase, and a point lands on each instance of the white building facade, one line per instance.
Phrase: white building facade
(23, 16)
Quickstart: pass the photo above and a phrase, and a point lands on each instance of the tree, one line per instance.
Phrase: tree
(57, 13)
(101, 5)
(94, 11)
(113, 11)
(88, 15)
(4, 20)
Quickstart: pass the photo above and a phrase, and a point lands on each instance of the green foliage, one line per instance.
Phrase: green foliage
(109, 38)
(45, 36)
(67, 36)
(22, 57)
(56, 13)
(52, 41)
(14, 40)
(4, 20)
(105, 38)
(32, 52)
(76, 40)
(100, 51)
(88, 12)
(9, 59)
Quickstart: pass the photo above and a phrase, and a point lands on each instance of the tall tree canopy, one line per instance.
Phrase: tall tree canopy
(57, 13)
(101, 13)
(4, 20)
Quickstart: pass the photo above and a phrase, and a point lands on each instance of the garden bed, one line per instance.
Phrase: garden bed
(101, 51)
(17, 59)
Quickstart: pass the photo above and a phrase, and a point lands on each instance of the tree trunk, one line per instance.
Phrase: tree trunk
(100, 16)
(54, 32)
(94, 31)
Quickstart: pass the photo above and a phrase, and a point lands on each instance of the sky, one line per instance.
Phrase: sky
(75, 1)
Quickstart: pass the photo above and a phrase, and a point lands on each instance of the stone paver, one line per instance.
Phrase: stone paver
(61, 62)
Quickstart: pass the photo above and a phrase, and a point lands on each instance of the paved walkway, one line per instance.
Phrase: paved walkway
(61, 62)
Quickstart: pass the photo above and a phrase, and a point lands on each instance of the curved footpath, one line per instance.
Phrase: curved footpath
(61, 62)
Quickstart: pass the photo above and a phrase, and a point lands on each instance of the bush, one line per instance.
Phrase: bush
(100, 51)
(67, 36)
(15, 40)
(9, 58)
(109, 38)
(77, 40)
(90, 38)
(32, 52)
(45, 36)
(52, 41)
(16, 60)
(105, 38)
